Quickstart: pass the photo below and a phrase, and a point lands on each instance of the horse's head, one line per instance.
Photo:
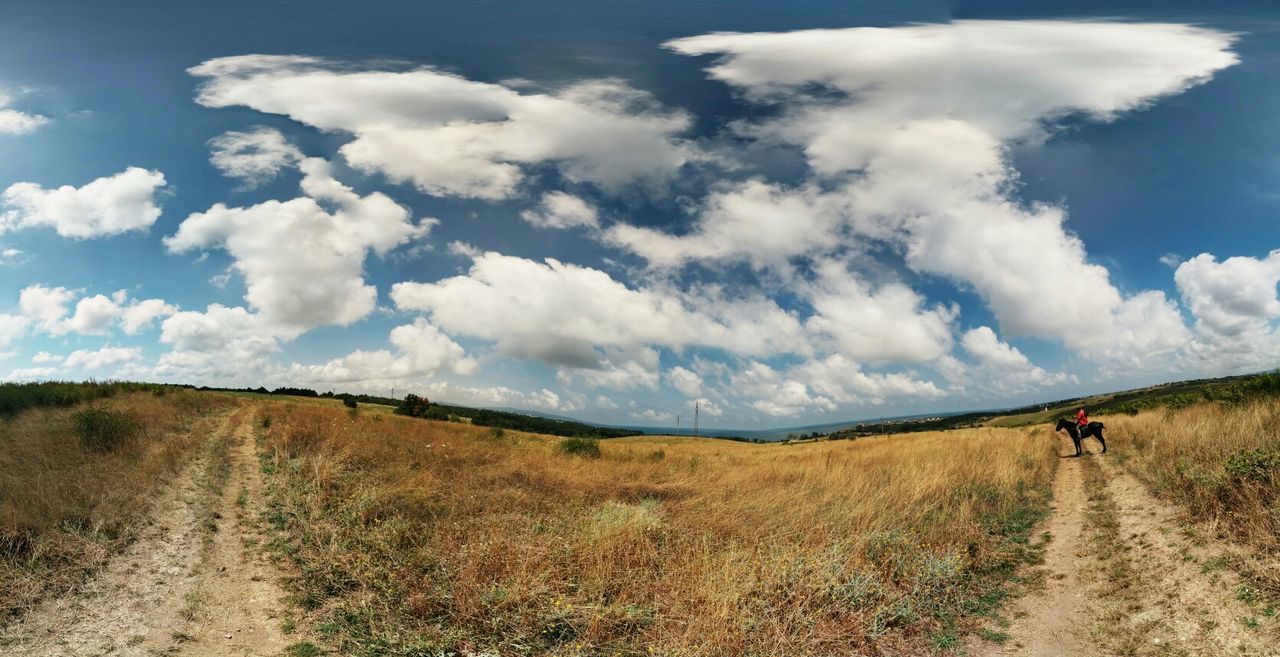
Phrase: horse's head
(1063, 423)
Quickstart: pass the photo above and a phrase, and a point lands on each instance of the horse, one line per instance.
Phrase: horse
(1093, 429)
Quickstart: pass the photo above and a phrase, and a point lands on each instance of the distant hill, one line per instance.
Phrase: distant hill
(1175, 394)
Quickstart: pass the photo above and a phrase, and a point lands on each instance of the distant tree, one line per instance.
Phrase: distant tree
(414, 406)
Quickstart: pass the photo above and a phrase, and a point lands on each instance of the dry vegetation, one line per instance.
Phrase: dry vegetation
(75, 481)
(1222, 463)
(418, 537)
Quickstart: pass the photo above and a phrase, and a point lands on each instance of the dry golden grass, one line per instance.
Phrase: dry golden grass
(414, 535)
(1222, 461)
(64, 508)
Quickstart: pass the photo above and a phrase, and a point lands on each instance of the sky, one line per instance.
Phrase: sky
(787, 213)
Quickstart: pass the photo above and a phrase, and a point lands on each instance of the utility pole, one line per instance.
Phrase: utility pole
(677, 424)
(696, 431)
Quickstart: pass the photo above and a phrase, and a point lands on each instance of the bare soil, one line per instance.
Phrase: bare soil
(193, 583)
(1176, 597)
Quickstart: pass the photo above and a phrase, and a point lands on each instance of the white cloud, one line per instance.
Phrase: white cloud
(998, 366)
(31, 374)
(1235, 307)
(496, 397)
(841, 380)
(139, 315)
(13, 122)
(889, 324)
(907, 144)
(303, 264)
(46, 357)
(255, 157)
(92, 317)
(12, 327)
(421, 351)
(220, 343)
(566, 311)
(756, 221)
(1230, 297)
(45, 306)
(686, 381)
(107, 206)
(104, 357)
(561, 210)
(453, 136)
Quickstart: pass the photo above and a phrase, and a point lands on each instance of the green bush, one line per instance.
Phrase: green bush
(589, 447)
(103, 430)
(414, 406)
(1254, 465)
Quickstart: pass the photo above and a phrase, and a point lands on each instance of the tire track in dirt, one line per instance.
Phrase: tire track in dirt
(179, 588)
(1051, 622)
(1194, 606)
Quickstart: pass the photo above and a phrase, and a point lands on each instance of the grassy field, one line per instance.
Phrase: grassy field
(419, 537)
(76, 475)
(1222, 463)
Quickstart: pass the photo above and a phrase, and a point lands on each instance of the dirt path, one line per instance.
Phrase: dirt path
(1190, 598)
(1052, 622)
(1128, 574)
(191, 584)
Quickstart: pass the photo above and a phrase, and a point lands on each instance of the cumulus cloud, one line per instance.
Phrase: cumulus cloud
(47, 309)
(140, 315)
(686, 381)
(421, 351)
(452, 136)
(218, 344)
(561, 210)
(13, 122)
(12, 327)
(255, 157)
(889, 324)
(302, 263)
(85, 359)
(1235, 307)
(45, 306)
(31, 374)
(998, 366)
(905, 131)
(107, 206)
(566, 311)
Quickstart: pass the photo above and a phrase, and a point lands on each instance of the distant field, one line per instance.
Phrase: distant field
(445, 537)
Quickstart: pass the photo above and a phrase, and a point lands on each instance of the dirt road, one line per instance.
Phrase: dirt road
(1127, 574)
(193, 583)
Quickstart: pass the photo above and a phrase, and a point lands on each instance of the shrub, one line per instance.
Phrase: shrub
(413, 406)
(589, 447)
(104, 430)
(497, 432)
(349, 402)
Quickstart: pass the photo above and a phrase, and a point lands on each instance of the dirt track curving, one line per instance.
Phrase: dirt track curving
(191, 584)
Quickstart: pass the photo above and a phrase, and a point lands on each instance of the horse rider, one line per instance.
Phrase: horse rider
(1082, 420)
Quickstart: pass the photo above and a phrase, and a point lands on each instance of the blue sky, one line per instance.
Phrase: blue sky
(793, 214)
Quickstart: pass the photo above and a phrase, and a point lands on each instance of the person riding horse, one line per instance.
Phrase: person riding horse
(1082, 428)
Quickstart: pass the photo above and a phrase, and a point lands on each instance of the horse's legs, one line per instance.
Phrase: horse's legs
(1098, 434)
(1076, 439)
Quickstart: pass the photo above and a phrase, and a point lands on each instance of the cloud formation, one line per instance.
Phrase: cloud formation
(107, 206)
(254, 156)
(303, 263)
(451, 136)
(13, 122)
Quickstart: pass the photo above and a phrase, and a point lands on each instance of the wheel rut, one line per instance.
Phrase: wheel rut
(192, 583)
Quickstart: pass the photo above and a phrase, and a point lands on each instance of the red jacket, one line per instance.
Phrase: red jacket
(1082, 418)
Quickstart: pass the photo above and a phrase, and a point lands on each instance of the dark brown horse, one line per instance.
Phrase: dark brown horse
(1093, 429)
